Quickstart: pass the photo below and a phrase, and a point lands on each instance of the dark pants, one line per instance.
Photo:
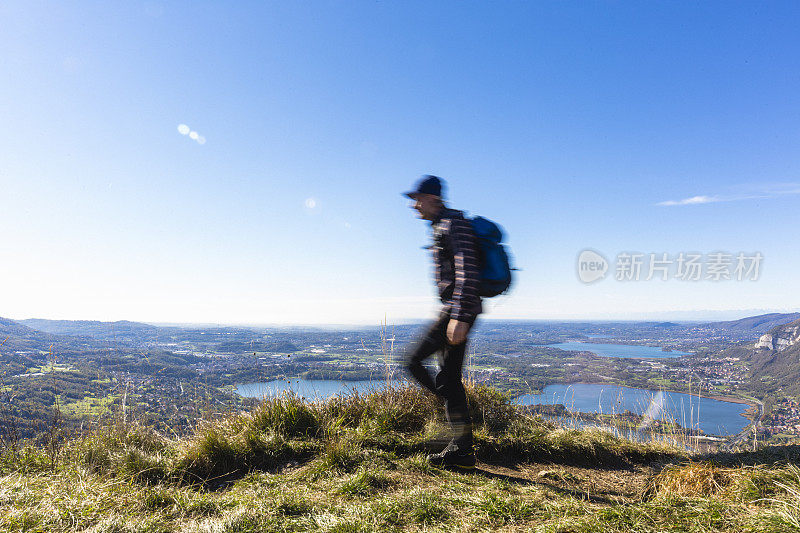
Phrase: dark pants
(447, 384)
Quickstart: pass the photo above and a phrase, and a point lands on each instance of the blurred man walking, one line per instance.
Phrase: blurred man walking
(456, 265)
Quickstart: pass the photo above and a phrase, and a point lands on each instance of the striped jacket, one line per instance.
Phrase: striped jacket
(455, 259)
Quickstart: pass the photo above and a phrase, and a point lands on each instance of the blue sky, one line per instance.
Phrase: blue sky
(573, 124)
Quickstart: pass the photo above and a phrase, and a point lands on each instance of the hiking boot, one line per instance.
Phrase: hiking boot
(453, 458)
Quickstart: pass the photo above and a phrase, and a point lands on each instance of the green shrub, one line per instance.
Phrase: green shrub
(490, 407)
(288, 415)
(395, 408)
(28, 458)
(137, 453)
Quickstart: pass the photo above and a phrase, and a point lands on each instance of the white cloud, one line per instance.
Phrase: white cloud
(693, 200)
(759, 192)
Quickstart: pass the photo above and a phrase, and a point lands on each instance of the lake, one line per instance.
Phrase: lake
(716, 417)
(624, 351)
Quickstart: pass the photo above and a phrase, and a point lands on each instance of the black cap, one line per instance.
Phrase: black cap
(427, 185)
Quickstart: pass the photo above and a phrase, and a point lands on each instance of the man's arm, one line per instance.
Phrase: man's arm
(466, 301)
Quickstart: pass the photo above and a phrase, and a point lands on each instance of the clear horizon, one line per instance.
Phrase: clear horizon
(700, 316)
(243, 163)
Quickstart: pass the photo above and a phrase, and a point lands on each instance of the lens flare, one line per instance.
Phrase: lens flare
(184, 129)
(654, 410)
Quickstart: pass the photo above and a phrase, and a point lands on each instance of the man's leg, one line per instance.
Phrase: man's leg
(450, 386)
(432, 341)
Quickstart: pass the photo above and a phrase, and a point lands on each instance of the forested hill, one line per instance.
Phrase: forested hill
(19, 337)
(37, 333)
(754, 325)
(121, 330)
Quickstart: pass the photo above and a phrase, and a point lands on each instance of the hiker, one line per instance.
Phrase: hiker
(457, 278)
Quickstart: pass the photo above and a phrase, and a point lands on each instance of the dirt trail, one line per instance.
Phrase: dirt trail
(599, 485)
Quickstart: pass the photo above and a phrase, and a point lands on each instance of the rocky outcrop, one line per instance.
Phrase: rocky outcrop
(780, 337)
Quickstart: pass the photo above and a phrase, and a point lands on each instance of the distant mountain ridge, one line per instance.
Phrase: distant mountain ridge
(122, 329)
(19, 336)
(10, 327)
(127, 334)
(755, 324)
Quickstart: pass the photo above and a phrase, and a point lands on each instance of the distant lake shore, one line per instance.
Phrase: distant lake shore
(621, 351)
(715, 416)
(720, 415)
(718, 397)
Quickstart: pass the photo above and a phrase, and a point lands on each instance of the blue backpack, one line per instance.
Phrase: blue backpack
(494, 264)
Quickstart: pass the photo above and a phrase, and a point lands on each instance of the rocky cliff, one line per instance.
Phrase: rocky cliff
(780, 338)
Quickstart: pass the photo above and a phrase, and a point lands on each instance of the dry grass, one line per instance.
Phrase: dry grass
(357, 464)
(694, 479)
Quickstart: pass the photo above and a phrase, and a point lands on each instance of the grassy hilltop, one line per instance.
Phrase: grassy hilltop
(357, 463)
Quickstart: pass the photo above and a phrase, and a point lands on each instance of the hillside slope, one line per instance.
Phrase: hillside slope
(357, 464)
(778, 371)
(19, 337)
(122, 330)
(754, 325)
